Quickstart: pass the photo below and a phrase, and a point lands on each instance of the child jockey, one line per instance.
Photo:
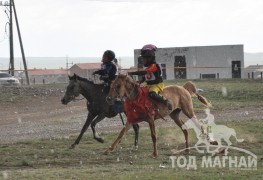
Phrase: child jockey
(108, 69)
(152, 74)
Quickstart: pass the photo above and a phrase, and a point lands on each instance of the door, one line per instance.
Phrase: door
(140, 66)
(236, 69)
(163, 66)
(179, 67)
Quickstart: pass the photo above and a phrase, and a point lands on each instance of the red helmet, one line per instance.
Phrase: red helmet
(148, 50)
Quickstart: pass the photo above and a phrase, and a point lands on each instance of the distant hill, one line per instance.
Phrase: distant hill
(125, 61)
(60, 62)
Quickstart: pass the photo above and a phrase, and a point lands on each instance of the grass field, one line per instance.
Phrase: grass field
(51, 158)
(230, 94)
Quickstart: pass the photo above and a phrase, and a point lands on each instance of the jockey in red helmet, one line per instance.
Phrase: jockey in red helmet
(152, 74)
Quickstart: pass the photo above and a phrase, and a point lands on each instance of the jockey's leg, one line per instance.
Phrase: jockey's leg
(153, 95)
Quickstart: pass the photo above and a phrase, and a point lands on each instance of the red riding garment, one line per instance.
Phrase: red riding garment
(139, 108)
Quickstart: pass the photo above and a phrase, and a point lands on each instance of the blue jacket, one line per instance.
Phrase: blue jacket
(107, 72)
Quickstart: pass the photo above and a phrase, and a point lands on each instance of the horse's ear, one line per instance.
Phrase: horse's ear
(75, 76)
(70, 77)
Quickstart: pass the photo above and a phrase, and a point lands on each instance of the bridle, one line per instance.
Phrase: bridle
(128, 95)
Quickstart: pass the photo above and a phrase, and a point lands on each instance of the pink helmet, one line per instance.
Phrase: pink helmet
(150, 47)
(148, 50)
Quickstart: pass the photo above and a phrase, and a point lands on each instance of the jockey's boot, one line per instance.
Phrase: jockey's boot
(157, 97)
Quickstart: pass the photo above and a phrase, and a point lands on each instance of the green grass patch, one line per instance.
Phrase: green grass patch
(52, 159)
(229, 94)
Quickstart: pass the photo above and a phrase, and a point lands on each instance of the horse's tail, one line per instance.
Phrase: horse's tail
(191, 88)
(234, 134)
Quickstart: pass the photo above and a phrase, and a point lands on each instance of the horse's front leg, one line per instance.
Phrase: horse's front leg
(153, 134)
(136, 128)
(93, 124)
(90, 117)
(118, 139)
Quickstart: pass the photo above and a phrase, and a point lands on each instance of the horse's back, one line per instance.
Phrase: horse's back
(174, 89)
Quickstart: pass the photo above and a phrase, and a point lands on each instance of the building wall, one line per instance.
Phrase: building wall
(85, 73)
(47, 79)
(76, 70)
(203, 57)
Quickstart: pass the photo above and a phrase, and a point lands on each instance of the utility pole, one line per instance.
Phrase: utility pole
(67, 64)
(21, 44)
(11, 5)
(12, 66)
(11, 41)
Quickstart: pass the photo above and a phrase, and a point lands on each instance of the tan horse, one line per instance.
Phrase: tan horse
(180, 96)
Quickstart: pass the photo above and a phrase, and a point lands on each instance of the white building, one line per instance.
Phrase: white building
(225, 61)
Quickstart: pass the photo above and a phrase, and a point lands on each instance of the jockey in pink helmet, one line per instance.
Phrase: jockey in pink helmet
(152, 74)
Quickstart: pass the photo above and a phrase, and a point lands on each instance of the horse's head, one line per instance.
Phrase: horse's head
(73, 90)
(122, 86)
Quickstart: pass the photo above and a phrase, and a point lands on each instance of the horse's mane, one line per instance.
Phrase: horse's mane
(125, 77)
(84, 79)
(75, 76)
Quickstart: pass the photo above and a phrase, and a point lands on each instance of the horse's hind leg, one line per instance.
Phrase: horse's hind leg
(188, 110)
(175, 116)
(90, 117)
(93, 124)
(136, 137)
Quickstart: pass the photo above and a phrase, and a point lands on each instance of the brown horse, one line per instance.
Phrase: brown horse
(180, 96)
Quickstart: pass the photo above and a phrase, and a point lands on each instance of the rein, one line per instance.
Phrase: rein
(132, 92)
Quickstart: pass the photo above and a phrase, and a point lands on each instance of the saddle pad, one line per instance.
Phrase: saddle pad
(139, 108)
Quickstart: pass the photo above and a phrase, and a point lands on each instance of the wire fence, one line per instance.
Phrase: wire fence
(45, 78)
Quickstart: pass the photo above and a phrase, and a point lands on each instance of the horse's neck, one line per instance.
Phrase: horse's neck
(132, 93)
(88, 89)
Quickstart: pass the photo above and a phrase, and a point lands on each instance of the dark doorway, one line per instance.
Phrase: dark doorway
(179, 67)
(140, 62)
(163, 66)
(236, 69)
(140, 66)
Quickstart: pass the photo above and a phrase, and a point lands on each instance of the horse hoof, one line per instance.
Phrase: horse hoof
(187, 151)
(100, 140)
(72, 146)
(214, 143)
(154, 155)
(106, 152)
(135, 148)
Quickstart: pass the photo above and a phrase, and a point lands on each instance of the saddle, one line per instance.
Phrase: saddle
(140, 108)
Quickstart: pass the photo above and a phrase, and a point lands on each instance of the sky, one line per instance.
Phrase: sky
(86, 28)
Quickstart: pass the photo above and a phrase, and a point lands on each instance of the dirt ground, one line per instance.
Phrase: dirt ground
(36, 112)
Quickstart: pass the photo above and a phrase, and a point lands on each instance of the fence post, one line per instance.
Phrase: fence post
(248, 75)
(217, 75)
(261, 74)
(43, 81)
(252, 75)
(200, 76)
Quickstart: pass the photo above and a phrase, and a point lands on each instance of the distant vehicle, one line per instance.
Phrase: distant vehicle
(7, 79)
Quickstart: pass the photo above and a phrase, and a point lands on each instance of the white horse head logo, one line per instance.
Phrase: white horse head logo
(215, 132)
